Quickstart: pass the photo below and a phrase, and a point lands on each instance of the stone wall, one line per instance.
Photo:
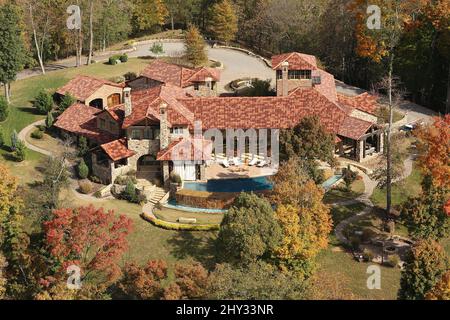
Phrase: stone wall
(142, 148)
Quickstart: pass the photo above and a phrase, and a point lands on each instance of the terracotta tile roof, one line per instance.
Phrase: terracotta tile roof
(297, 61)
(117, 112)
(146, 105)
(186, 149)
(327, 86)
(82, 87)
(364, 102)
(265, 112)
(178, 75)
(117, 149)
(81, 120)
(354, 128)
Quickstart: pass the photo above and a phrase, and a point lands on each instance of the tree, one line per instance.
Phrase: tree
(83, 146)
(192, 281)
(83, 170)
(223, 24)
(90, 238)
(2, 138)
(43, 102)
(259, 88)
(308, 140)
(66, 102)
(20, 151)
(441, 291)
(257, 281)
(49, 120)
(4, 109)
(305, 231)
(39, 16)
(143, 283)
(9, 201)
(425, 264)
(91, 32)
(349, 177)
(3, 280)
(148, 14)
(195, 47)
(12, 48)
(249, 230)
(425, 215)
(14, 139)
(434, 150)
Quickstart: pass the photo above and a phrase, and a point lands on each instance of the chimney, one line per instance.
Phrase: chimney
(285, 79)
(127, 101)
(209, 81)
(163, 127)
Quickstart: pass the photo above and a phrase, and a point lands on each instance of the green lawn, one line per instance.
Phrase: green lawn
(341, 194)
(202, 218)
(401, 190)
(340, 213)
(355, 272)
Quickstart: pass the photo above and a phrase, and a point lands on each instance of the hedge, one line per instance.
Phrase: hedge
(179, 226)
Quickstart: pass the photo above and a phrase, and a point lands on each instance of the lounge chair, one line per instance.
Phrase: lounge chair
(225, 163)
(262, 164)
(237, 161)
(254, 162)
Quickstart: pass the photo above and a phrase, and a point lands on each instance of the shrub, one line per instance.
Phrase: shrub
(37, 134)
(124, 58)
(85, 186)
(95, 179)
(20, 151)
(49, 120)
(179, 226)
(157, 48)
(355, 243)
(4, 109)
(113, 60)
(83, 170)
(349, 177)
(130, 76)
(83, 147)
(98, 194)
(175, 178)
(43, 102)
(130, 192)
(41, 127)
(368, 255)
(66, 102)
(118, 79)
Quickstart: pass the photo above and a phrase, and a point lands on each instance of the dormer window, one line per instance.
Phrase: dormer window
(196, 87)
(178, 131)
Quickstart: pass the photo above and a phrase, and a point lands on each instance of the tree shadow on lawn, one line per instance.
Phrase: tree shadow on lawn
(30, 110)
(199, 246)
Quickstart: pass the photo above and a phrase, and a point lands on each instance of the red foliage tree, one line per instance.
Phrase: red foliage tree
(89, 238)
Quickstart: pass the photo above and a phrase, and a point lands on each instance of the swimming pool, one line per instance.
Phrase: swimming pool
(231, 185)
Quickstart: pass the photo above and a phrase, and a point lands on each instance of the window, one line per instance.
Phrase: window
(102, 124)
(156, 134)
(196, 86)
(148, 134)
(279, 75)
(136, 134)
(178, 130)
(299, 74)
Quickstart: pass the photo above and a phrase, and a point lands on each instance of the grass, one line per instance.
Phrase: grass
(334, 261)
(341, 194)
(340, 213)
(148, 242)
(171, 215)
(401, 191)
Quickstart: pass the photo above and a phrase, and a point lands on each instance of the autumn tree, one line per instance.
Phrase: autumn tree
(441, 291)
(257, 281)
(249, 230)
(223, 24)
(12, 47)
(3, 280)
(195, 47)
(148, 14)
(143, 283)
(191, 282)
(434, 150)
(425, 265)
(308, 140)
(89, 238)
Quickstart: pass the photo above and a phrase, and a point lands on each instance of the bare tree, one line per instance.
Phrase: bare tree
(91, 31)
(39, 43)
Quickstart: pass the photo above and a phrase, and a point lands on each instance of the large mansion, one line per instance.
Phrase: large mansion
(147, 124)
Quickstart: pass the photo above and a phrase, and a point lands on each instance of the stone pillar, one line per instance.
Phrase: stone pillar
(203, 172)
(164, 127)
(360, 146)
(166, 174)
(127, 101)
(381, 142)
(285, 79)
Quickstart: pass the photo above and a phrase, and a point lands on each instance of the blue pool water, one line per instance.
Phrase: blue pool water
(172, 204)
(231, 185)
(332, 181)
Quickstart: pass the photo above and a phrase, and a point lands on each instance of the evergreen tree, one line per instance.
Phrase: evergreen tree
(49, 120)
(43, 102)
(12, 49)
(195, 47)
(14, 139)
(66, 102)
(83, 170)
(224, 22)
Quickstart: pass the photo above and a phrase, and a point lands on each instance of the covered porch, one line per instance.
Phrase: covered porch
(362, 148)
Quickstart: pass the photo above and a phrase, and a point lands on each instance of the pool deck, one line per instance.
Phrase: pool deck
(217, 171)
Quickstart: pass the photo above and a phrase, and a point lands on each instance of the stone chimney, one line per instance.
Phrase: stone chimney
(285, 79)
(209, 83)
(164, 127)
(127, 101)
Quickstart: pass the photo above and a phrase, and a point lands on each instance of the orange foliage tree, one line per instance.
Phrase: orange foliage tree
(89, 238)
(434, 150)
